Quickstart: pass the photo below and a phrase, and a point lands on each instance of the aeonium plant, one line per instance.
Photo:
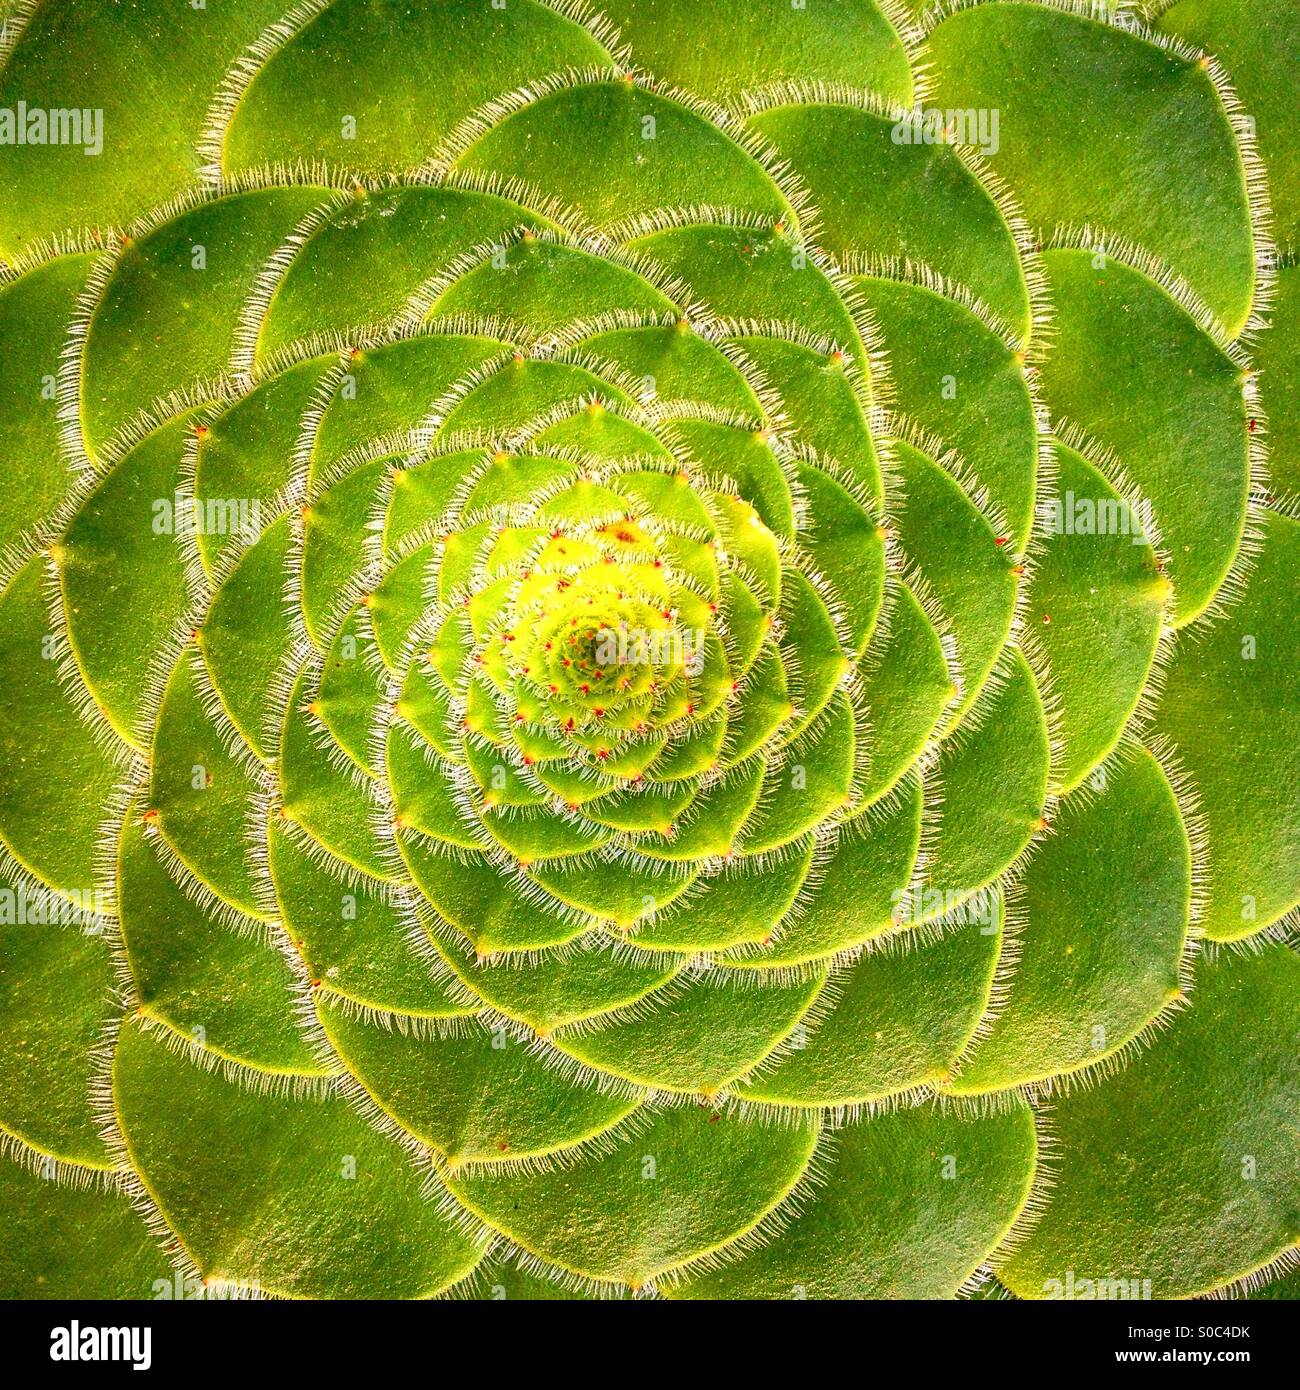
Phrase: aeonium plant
(649, 649)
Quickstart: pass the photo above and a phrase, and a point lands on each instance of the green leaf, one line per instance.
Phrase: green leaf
(1243, 761)
(652, 153)
(1134, 371)
(55, 781)
(1096, 589)
(372, 253)
(993, 773)
(960, 380)
(906, 685)
(882, 198)
(225, 1163)
(370, 62)
(916, 1202)
(169, 316)
(35, 314)
(323, 799)
(895, 1020)
(1279, 385)
(593, 977)
(123, 575)
(1194, 1204)
(226, 990)
(1104, 128)
(1253, 43)
(851, 897)
(690, 1182)
(74, 1242)
(746, 902)
(1103, 928)
(149, 123)
(695, 1035)
(955, 549)
(480, 1098)
(351, 935)
(246, 635)
(54, 988)
(769, 41)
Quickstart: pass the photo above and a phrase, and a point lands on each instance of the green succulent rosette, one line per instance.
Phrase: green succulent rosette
(649, 649)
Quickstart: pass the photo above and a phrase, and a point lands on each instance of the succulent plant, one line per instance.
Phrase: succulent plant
(649, 649)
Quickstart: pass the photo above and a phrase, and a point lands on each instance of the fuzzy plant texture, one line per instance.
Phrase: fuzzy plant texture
(649, 651)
